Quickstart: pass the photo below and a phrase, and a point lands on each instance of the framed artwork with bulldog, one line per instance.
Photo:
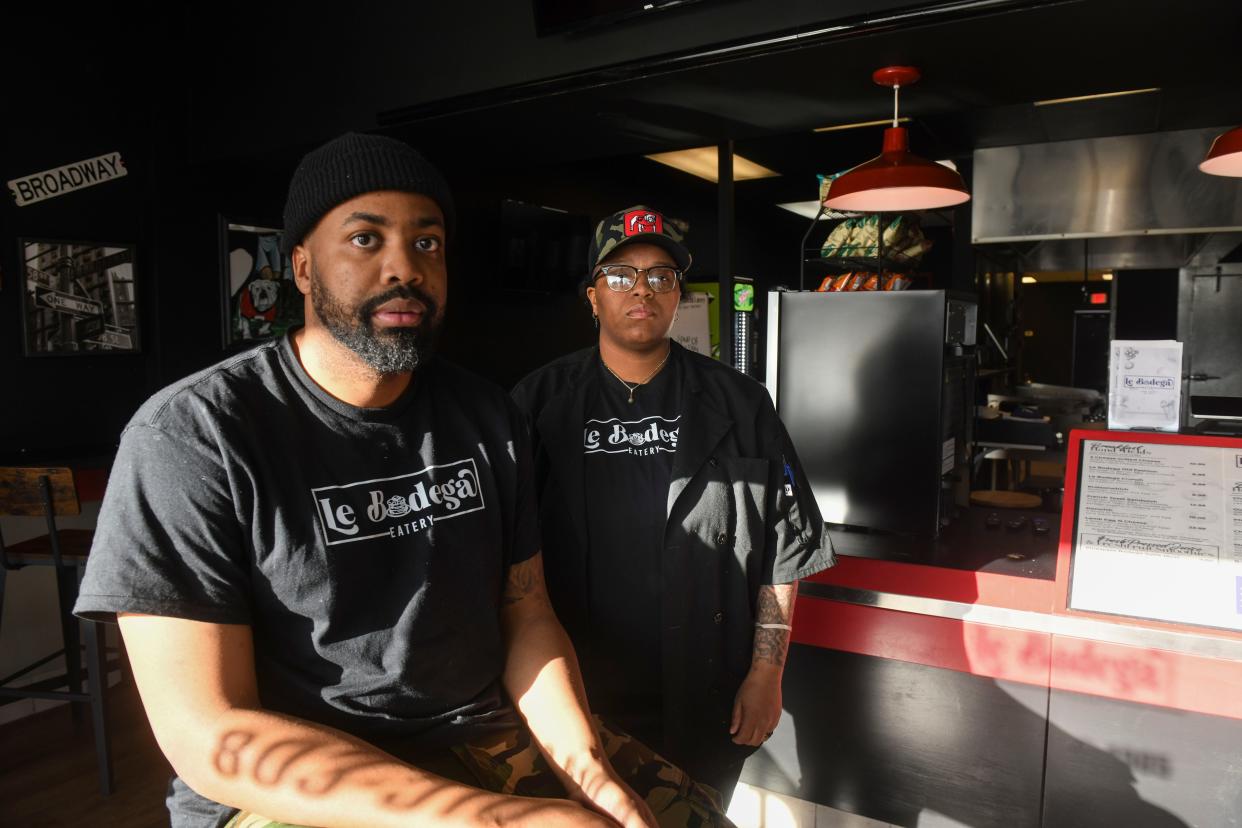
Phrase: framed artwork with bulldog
(260, 299)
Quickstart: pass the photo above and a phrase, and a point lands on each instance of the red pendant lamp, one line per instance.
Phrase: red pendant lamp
(896, 180)
(1225, 156)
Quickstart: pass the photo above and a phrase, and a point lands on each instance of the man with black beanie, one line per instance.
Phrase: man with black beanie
(323, 557)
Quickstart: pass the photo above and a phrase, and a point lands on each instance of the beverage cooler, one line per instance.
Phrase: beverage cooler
(876, 390)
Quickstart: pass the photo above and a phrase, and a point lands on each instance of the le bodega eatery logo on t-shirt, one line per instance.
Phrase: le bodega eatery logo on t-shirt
(649, 435)
(397, 506)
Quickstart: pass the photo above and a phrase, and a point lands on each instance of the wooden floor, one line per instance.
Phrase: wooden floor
(49, 776)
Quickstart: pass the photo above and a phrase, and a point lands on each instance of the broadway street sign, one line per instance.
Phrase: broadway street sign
(76, 176)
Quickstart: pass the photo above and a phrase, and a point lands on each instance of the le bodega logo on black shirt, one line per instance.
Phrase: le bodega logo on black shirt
(649, 435)
(397, 506)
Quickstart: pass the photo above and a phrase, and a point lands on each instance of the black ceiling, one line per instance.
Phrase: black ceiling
(983, 66)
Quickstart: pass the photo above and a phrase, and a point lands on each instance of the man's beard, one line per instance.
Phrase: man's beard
(386, 350)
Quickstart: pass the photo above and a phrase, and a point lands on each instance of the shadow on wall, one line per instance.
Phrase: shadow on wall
(915, 745)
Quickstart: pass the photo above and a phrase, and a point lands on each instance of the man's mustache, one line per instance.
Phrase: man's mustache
(408, 292)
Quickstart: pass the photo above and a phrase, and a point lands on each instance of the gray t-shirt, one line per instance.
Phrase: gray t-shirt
(366, 548)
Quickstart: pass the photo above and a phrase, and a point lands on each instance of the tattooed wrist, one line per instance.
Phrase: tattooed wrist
(773, 623)
(770, 646)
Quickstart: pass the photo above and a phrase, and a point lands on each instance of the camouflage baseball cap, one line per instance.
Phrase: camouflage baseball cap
(638, 224)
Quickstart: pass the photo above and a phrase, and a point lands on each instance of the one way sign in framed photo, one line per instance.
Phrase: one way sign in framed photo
(80, 297)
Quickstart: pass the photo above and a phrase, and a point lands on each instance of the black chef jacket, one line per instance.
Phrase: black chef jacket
(740, 515)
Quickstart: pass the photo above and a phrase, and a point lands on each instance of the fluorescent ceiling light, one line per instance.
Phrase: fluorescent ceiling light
(1098, 96)
(881, 122)
(702, 162)
(806, 209)
(1108, 277)
(1028, 280)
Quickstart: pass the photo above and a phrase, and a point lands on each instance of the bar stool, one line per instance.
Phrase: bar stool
(45, 492)
(995, 498)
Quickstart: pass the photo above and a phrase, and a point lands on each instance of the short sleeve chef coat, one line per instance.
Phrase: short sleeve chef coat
(740, 515)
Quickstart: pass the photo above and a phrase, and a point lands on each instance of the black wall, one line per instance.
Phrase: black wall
(332, 72)
(211, 110)
(1146, 304)
(1145, 307)
(79, 91)
(1047, 310)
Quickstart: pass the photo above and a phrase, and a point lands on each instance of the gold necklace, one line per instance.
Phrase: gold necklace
(644, 381)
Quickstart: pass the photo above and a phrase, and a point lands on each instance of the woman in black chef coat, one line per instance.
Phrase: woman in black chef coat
(676, 518)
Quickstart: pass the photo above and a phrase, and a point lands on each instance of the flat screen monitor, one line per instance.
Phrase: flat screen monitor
(556, 16)
(1216, 408)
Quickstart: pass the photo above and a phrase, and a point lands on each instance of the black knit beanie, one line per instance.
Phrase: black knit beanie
(349, 166)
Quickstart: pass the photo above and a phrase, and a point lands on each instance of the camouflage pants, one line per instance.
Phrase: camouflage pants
(510, 763)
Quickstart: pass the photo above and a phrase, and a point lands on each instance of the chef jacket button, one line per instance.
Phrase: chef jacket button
(722, 539)
(712, 462)
(718, 617)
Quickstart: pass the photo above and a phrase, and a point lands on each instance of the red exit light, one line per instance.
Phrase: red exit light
(1099, 298)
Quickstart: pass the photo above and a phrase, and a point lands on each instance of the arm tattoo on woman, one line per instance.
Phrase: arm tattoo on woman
(771, 643)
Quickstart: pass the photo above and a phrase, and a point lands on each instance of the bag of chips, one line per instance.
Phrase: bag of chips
(839, 236)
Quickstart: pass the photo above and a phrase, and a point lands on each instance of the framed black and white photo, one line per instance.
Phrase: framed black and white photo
(80, 297)
(261, 300)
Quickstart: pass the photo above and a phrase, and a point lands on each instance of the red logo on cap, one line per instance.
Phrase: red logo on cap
(643, 221)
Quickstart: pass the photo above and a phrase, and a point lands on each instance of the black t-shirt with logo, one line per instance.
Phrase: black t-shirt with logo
(366, 548)
(628, 462)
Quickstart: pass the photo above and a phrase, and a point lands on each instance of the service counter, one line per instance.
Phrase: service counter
(961, 681)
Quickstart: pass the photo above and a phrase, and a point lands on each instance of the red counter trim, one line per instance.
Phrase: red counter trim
(1034, 594)
(1157, 677)
(993, 652)
(1115, 671)
(1179, 680)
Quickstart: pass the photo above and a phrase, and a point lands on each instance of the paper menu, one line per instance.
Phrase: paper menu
(692, 325)
(1145, 384)
(1159, 532)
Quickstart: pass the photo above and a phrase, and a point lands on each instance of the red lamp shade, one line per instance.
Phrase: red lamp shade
(896, 181)
(1225, 156)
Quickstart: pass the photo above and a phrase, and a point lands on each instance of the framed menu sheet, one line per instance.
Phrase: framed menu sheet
(1158, 529)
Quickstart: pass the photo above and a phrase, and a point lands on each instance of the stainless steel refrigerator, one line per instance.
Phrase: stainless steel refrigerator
(876, 391)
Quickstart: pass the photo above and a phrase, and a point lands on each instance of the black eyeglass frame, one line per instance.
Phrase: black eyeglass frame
(602, 270)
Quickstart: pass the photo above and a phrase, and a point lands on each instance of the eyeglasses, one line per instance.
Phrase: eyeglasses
(619, 277)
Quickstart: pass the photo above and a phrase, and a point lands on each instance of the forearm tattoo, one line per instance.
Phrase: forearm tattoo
(525, 578)
(313, 766)
(772, 620)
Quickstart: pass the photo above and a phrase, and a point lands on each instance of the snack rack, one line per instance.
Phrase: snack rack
(884, 262)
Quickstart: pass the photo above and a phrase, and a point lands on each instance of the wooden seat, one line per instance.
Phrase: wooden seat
(1002, 499)
(75, 545)
(46, 493)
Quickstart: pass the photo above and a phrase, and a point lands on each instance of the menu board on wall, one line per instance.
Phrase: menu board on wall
(1159, 532)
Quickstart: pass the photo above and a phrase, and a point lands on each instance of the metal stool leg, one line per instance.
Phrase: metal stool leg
(97, 684)
(66, 593)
